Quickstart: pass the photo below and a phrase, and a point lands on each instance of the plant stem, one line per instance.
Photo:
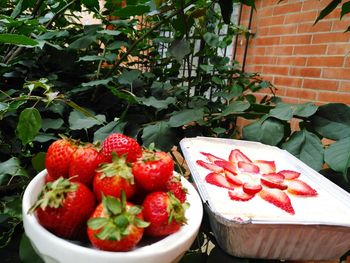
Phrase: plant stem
(59, 13)
(37, 7)
(16, 50)
(156, 26)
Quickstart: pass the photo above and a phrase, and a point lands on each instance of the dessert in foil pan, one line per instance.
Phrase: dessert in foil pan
(265, 203)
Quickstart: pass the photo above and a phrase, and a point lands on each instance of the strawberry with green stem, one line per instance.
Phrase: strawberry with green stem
(175, 186)
(113, 178)
(63, 208)
(116, 225)
(58, 157)
(121, 145)
(153, 170)
(84, 162)
(165, 213)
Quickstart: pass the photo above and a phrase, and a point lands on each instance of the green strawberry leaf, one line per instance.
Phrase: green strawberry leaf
(140, 223)
(108, 232)
(134, 210)
(113, 205)
(121, 221)
(97, 222)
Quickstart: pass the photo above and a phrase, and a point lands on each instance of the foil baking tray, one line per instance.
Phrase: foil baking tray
(318, 228)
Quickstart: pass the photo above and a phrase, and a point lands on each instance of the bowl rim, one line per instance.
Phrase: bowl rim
(172, 241)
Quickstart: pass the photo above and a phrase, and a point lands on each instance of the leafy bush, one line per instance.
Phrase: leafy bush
(154, 70)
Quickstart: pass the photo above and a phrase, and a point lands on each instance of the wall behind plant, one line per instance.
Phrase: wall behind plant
(306, 62)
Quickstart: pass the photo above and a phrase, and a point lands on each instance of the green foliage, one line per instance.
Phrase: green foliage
(158, 83)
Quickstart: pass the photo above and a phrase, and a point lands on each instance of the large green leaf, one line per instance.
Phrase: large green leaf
(235, 107)
(78, 120)
(269, 131)
(179, 49)
(98, 82)
(38, 161)
(18, 9)
(226, 7)
(186, 116)
(20, 40)
(284, 111)
(27, 253)
(128, 77)
(158, 104)
(92, 4)
(11, 167)
(160, 134)
(337, 156)
(83, 42)
(211, 39)
(328, 9)
(332, 121)
(345, 9)
(307, 147)
(131, 10)
(52, 124)
(29, 124)
(112, 127)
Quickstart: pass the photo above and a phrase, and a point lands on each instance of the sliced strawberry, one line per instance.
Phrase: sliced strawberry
(273, 181)
(299, 187)
(289, 174)
(232, 178)
(237, 156)
(219, 180)
(278, 198)
(248, 167)
(266, 167)
(251, 188)
(210, 166)
(228, 166)
(275, 176)
(239, 195)
(211, 158)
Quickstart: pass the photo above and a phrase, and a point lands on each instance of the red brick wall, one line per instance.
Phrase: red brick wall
(305, 62)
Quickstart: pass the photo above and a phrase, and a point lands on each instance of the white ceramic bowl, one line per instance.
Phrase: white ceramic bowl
(53, 249)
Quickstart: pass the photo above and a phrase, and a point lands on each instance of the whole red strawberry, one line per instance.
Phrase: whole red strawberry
(58, 158)
(63, 208)
(164, 212)
(121, 145)
(174, 186)
(113, 178)
(153, 170)
(83, 164)
(116, 225)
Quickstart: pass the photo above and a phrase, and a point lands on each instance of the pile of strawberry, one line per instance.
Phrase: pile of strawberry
(113, 196)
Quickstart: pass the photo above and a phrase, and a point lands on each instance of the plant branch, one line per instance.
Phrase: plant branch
(37, 7)
(16, 50)
(156, 26)
(59, 13)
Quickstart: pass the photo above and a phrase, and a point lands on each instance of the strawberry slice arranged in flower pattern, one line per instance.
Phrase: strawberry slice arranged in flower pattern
(248, 167)
(210, 166)
(298, 187)
(278, 198)
(228, 166)
(246, 179)
(266, 167)
(251, 188)
(219, 180)
(289, 175)
(273, 181)
(237, 156)
(239, 195)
